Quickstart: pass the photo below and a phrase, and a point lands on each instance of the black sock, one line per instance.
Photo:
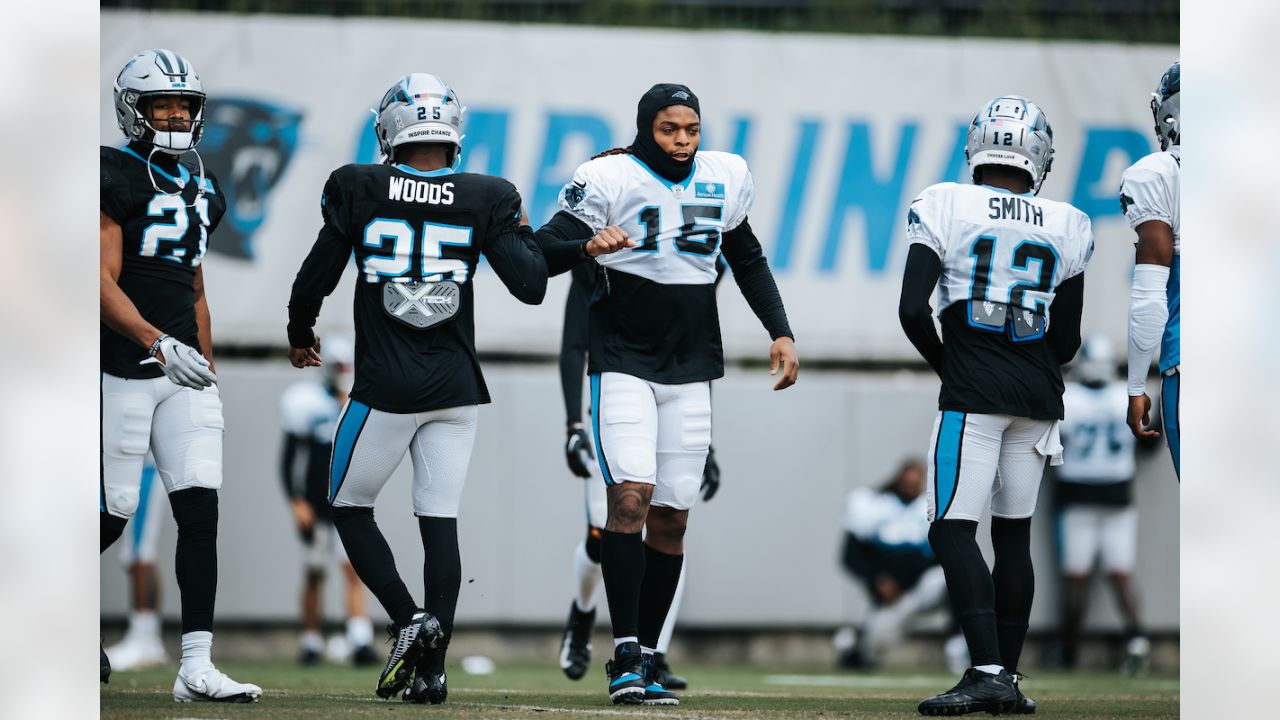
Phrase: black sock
(622, 564)
(110, 528)
(373, 562)
(969, 585)
(1015, 585)
(196, 563)
(441, 576)
(661, 576)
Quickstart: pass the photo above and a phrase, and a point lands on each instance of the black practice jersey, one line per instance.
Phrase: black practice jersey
(164, 240)
(417, 238)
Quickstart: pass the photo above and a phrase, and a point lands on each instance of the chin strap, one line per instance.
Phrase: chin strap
(199, 182)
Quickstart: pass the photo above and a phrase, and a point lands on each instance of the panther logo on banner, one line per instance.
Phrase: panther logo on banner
(247, 144)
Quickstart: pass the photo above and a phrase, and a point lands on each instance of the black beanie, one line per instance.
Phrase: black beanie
(645, 146)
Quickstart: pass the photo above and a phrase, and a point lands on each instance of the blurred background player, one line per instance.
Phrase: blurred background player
(575, 646)
(309, 412)
(886, 549)
(418, 229)
(651, 408)
(142, 645)
(1097, 519)
(1009, 269)
(159, 390)
(1149, 196)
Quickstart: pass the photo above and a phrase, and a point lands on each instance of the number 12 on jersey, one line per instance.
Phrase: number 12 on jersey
(990, 314)
(393, 246)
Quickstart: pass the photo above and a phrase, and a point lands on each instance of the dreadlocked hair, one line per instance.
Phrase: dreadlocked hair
(628, 150)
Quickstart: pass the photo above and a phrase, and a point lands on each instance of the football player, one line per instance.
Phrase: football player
(1097, 518)
(654, 339)
(159, 390)
(886, 548)
(417, 229)
(309, 411)
(575, 646)
(1009, 268)
(1150, 200)
(141, 645)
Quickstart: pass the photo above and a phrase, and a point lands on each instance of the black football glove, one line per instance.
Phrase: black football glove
(578, 452)
(710, 476)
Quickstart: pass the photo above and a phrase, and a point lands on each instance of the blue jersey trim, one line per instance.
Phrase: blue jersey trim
(424, 173)
(183, 173)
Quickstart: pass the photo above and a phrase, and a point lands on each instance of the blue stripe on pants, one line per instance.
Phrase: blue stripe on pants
(946, 460)
(1169, 404)
(595, 430)
(344, 444)
(144, 504)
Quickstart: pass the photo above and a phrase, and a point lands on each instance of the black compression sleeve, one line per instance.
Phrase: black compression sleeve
(318, 276)
(751, 271)
(517, 259)
(561, 240)
(573, 340)
(920, 277)
(1064, 319)
(288, 461)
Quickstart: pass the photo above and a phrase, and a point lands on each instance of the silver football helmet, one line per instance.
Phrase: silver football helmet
(1097, 364)
(339, 356)
(419, 108)
(1011, 130)
(1165, 104)
(151, 73)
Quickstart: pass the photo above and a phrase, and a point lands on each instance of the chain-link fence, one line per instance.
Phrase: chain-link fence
(1147, 21)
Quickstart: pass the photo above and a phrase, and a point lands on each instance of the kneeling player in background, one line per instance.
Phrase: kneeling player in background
(417, 230)
(1097, 518)
(886, 548)
(309, 412)
(1009, 268)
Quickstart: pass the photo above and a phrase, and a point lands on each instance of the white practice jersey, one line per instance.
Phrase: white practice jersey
(308, 410)
(677, 225)
(1000, 247)
(1098, 447)
(1149, 190)
(882, 518)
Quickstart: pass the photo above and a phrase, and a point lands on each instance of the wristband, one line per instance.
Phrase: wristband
(155, 346)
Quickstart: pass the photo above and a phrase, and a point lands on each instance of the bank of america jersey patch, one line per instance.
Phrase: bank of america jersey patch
(709, 190)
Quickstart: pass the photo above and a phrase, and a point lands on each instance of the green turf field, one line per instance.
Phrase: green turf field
(527, 691)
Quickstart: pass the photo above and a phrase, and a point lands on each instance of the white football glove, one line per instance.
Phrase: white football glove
(183, 365)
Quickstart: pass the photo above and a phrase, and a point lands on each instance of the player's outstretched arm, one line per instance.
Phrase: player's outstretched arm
(919, 279)
(566, 241)
(517, 259)
(1065, 313)
(755, 280)
(1148, 314)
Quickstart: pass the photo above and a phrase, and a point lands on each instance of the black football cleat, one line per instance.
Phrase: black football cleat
(575, 648)
(626, 675)
(410, 641)
(976, 692)
(429, 684)
(654, 692)
(104, 665)
(662, 673)
(309, 657)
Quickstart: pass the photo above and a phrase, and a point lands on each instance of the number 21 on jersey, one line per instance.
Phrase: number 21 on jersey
(164, 240)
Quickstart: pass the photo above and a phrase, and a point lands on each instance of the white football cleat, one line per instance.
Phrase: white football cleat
(133, 653)
(212, 685)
